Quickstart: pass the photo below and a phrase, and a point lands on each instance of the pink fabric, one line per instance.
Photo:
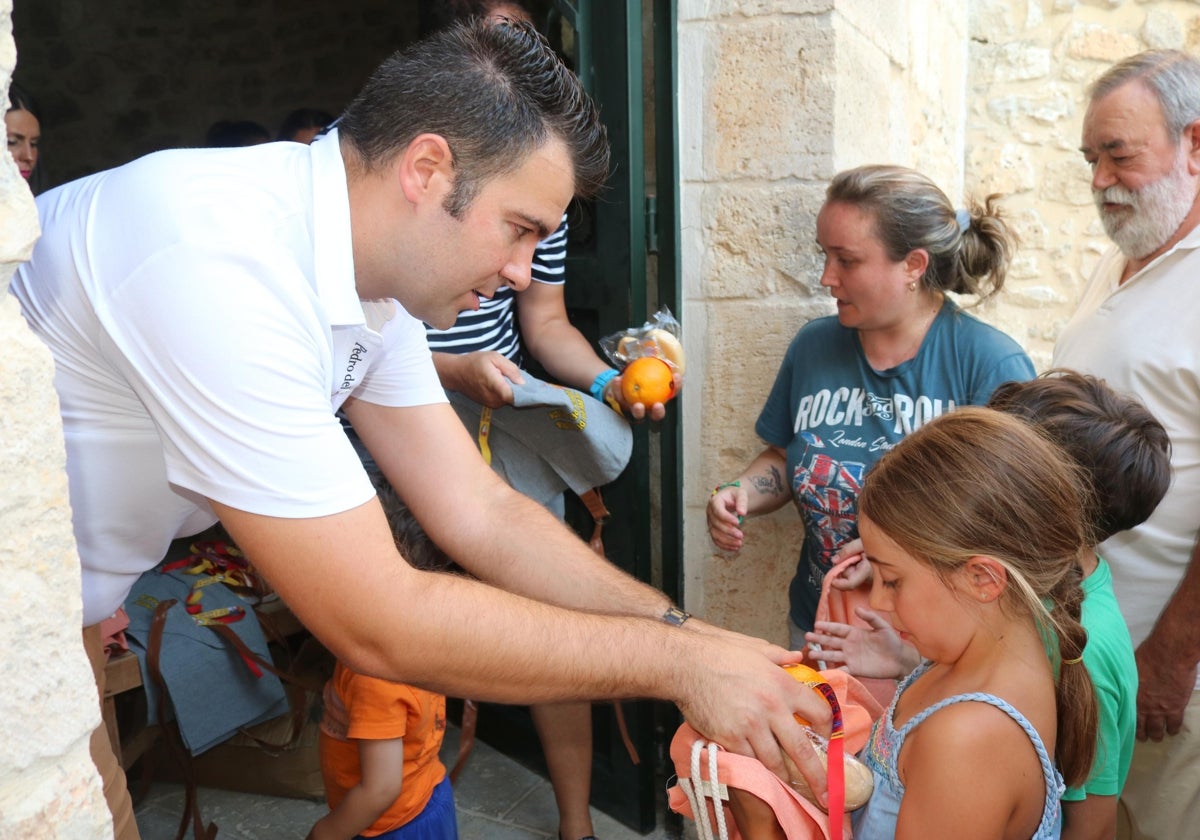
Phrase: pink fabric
(798, 817)
(838, 605)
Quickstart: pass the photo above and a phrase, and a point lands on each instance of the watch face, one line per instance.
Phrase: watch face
(675, 616)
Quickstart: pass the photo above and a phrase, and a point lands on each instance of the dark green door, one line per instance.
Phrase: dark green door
(618, 275)
(621, 266)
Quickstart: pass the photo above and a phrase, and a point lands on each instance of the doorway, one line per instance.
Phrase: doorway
(146, 75)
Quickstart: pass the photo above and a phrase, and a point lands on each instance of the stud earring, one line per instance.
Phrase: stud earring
(912, 287)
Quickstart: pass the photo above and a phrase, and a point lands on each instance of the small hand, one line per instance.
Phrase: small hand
(485, 376)
(726, 511)
(877, 651)
(853, 576)
(321, 831)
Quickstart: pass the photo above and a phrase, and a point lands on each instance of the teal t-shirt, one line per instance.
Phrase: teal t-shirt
(1108, 656)
(836, 416)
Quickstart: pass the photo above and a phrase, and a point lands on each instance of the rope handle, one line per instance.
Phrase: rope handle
(699, 791)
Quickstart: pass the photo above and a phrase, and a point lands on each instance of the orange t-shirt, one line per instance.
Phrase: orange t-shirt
(378, 710)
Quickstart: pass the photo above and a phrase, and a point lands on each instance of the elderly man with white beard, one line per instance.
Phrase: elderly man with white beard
(1138, 328)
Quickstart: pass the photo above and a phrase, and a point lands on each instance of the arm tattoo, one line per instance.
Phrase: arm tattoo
(769, 485)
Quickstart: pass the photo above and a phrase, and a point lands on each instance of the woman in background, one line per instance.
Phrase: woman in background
(23, 124)
(898, 353)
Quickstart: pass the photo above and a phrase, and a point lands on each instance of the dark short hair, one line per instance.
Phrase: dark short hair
(19, 99)
(230, 134)
(1123, 449)
(411, 540)
(302, 118)
(495, 92)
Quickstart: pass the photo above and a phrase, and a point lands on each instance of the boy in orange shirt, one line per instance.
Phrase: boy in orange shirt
(380, 740)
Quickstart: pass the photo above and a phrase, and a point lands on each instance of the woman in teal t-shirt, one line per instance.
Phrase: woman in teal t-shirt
(898, 353)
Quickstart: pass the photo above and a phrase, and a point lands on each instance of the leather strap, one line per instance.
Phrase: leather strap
(297, 699)
(191, 807)
(594, 503)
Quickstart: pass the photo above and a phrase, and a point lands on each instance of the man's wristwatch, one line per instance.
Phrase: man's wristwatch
(675, 616)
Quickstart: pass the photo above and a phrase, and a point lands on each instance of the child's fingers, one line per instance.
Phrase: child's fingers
(877, 621)
(853, 576)
(829, 635)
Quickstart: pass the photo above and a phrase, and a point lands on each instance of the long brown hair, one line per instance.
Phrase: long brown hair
(978, 482)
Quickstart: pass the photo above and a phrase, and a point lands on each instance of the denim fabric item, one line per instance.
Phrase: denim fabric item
(212, 691)
(551, 438)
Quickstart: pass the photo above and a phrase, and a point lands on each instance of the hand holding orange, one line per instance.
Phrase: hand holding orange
(811, 677)
(647, 380)
(857, 778)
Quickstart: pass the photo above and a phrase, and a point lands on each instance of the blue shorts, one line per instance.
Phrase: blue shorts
(435, 822)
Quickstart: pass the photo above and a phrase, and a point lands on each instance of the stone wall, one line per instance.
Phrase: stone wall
(778, 95)
(776, 98)
(1030, 65)
(48, 709)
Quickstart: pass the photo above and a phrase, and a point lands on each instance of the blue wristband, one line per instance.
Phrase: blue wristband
(601, 382)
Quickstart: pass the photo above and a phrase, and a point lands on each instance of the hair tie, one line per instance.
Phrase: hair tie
(1074, 661)
(963, 217)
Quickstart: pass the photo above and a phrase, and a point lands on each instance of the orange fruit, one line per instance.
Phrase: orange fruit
(647, 381)
(806, 675)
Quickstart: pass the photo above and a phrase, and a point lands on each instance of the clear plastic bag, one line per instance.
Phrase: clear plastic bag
(660, 337)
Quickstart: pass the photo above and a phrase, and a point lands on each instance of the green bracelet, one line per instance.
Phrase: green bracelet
(721, 487)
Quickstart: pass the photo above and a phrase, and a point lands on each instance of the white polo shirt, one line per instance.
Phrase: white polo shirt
(1143, 338)
(201, 310)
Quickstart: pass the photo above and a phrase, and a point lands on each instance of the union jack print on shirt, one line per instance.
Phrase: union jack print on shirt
(826, 491)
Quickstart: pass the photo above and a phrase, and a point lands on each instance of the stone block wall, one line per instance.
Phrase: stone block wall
(48, 708)
(985, 97)
(775, 98)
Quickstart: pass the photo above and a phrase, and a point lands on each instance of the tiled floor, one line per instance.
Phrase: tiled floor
(496, 797)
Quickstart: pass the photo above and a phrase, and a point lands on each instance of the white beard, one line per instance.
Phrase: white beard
(1153, 214)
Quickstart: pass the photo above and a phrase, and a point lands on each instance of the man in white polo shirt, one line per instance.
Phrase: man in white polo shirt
(210, 310)
(1137, 328)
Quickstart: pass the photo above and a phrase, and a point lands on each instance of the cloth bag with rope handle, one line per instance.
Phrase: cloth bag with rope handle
(704, 772)
(552, 438)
